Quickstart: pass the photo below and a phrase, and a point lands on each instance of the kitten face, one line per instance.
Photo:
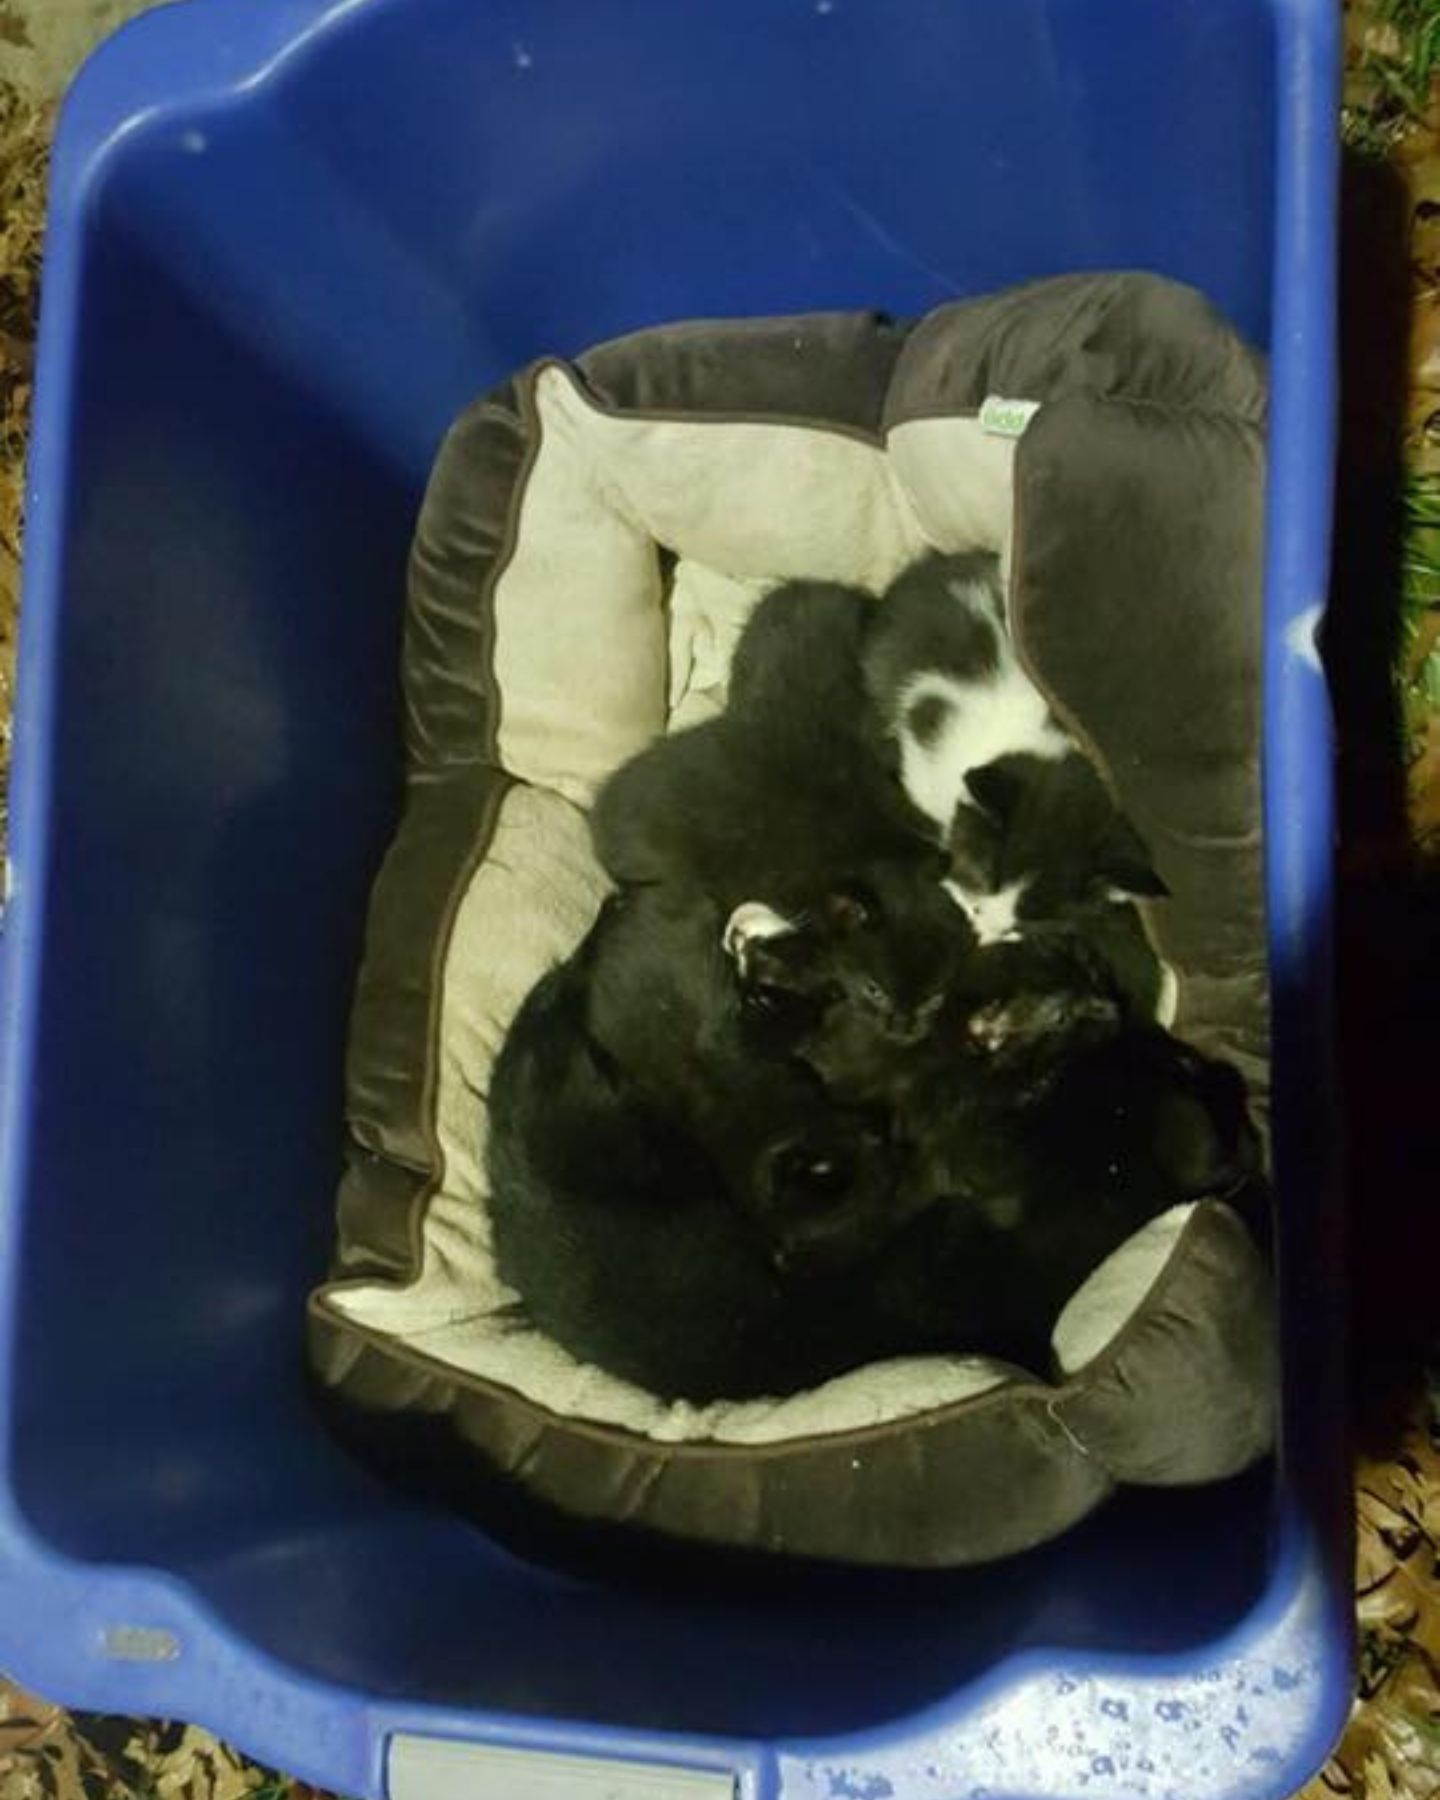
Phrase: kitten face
(827, 1194)
(1027, 1007)
(1042, 843)
(1148, 1115)
(881, 947)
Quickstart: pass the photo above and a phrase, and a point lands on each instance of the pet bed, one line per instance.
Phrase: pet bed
(594, 536)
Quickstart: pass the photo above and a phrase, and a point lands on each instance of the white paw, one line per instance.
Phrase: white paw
(991, 1026)
(751, 923)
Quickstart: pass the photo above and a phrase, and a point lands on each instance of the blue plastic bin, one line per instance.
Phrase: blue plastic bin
(289, 239)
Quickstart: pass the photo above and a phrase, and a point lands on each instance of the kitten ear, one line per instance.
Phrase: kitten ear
(1144, 884)
(1126, 870)
(995, 788)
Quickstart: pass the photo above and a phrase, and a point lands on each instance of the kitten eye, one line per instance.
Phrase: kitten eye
(872, 994)
(848, 911)
(763, 999)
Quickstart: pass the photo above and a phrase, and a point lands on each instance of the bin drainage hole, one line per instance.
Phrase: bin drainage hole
(140, 1644)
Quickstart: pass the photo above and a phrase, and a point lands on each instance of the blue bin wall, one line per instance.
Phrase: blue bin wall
(289, 241)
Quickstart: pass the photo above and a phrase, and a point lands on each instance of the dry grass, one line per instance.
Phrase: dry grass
(1393, 54)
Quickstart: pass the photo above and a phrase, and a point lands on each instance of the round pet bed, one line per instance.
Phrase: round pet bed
(593, 539)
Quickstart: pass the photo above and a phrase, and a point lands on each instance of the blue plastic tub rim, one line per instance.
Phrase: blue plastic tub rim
(138, 1640)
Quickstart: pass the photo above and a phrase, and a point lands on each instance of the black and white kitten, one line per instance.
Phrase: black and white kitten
(1035, 838)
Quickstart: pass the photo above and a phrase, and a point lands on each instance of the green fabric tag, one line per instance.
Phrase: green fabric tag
(1006, 418)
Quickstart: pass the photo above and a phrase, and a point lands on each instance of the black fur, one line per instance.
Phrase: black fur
(1012, 1015)
(790, 799)
(707, 1222)
(671, 1203)
(790, 795)
(885, 948)
(1128, 1126)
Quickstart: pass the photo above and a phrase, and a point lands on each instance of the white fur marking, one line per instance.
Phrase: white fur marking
(1167, 1003)
(1003, 715)
(974, 596)
(752, 922)
(1000, 714)
(992, 916)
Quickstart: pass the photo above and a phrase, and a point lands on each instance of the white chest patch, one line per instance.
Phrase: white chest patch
(992, 916)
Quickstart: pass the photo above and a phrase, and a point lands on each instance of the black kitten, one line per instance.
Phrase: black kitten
(707, 1223)
(1023, 1200)
(884, 949)
(1040, 1125)
(1010, 1017)
(669, 1202)
(786, 797)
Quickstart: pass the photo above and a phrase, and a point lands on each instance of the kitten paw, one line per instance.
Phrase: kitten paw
(752, 922)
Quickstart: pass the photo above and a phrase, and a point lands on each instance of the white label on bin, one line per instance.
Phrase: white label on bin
(140, 1643)
(421, 1768)
(1006, 418)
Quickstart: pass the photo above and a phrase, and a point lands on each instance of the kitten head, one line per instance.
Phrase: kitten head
(1030, 1005)
(1147, 1115)
(880, 945)
(1043, 843)
(826, 1194)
